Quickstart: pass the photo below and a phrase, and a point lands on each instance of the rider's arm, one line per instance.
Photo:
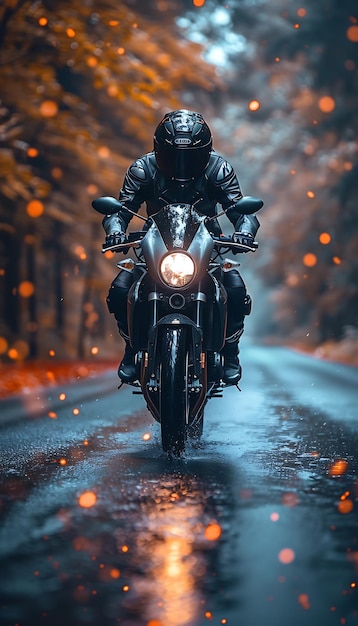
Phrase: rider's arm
(133, 193)
(136, 188)
(227, 192)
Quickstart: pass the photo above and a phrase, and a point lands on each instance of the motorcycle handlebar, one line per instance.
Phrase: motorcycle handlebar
(134, 240)
(227, 242)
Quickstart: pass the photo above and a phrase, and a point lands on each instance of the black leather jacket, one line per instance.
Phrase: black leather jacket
(144, 182)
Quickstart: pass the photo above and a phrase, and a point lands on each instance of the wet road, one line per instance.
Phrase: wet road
(258, 525)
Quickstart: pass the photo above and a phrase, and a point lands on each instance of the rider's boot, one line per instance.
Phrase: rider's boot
(232, 367)
(127, 370)
(230, 352)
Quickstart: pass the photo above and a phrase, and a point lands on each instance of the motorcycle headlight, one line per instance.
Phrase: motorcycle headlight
(177, 269)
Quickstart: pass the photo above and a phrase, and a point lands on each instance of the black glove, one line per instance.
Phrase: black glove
(246, 239)
(114, 239)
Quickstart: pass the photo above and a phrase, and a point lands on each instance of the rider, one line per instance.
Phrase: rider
(183, 167)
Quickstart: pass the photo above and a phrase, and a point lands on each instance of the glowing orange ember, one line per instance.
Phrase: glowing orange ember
(286, 556)
(34, 208)
(309, 259)
(301, 12)
(87, 499)
(92, 61)
(146, 437)
(43, 21)
(32, 152)
(213, 531)
(304, 601)
(208, 614)
(125, 588)
(115, 573)
(94, 350)
(3, 345)
(154, 622)
(76, 411)
(297, 26)
(120, 50)
(48, 108)
(51, 353)
(198, 3)
(345, 506)
(125, 548)
(103, 152)
(70, 32)
(337, 260)
(26, 289)
(52, 414)
(62, 396)
(254, 105)
(63, 461)
(56, 173)
(311, 194)
(112, 90)
(338, 468)
(326, 104)
(325, 238)
(352, 33)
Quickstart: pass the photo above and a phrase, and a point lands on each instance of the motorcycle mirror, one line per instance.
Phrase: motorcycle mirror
(106, 205)
(247, 205)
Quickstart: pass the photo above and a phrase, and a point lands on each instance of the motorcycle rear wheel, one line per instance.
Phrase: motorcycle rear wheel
(173, 403)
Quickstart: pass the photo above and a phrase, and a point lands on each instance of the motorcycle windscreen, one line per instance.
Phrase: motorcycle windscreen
(177, 224)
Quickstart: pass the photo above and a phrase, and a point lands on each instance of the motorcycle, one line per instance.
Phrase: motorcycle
(177, 312)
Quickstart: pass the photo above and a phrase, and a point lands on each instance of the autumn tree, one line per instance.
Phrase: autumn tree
(82, 85)
(288, 121)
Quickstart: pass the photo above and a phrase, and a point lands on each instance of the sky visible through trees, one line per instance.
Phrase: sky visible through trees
(82, 86)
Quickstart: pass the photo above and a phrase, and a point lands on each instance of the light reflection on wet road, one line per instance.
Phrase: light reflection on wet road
(257, 525)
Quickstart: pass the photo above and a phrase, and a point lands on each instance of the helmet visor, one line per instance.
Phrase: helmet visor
(182, 163)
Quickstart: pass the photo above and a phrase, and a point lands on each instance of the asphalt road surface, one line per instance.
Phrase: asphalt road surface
(255, 526)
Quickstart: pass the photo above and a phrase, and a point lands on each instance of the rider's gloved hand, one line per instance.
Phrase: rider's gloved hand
(245, 239)
(114, 239)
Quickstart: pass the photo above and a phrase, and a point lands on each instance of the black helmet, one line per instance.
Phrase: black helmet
(182, 144)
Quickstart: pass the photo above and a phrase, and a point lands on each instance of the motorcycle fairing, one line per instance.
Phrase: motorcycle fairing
(177, 227)
(178, 223)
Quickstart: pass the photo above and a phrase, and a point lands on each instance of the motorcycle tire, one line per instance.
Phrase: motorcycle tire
(173, 404)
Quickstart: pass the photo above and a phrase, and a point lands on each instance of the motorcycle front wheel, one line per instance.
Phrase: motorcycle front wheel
(173, 396)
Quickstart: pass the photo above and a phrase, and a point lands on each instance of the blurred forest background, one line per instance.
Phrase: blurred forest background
(82, 87)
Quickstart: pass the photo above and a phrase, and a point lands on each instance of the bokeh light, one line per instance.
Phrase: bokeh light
(3, 345)
(345, 506)
(286, 556)
(254, 105)
(48, 108)
(35, 208)
(309, 259)
(352, 33)
(213, 531)
(326, 104)
(87, 499)
(26, 289)
(325, 238)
